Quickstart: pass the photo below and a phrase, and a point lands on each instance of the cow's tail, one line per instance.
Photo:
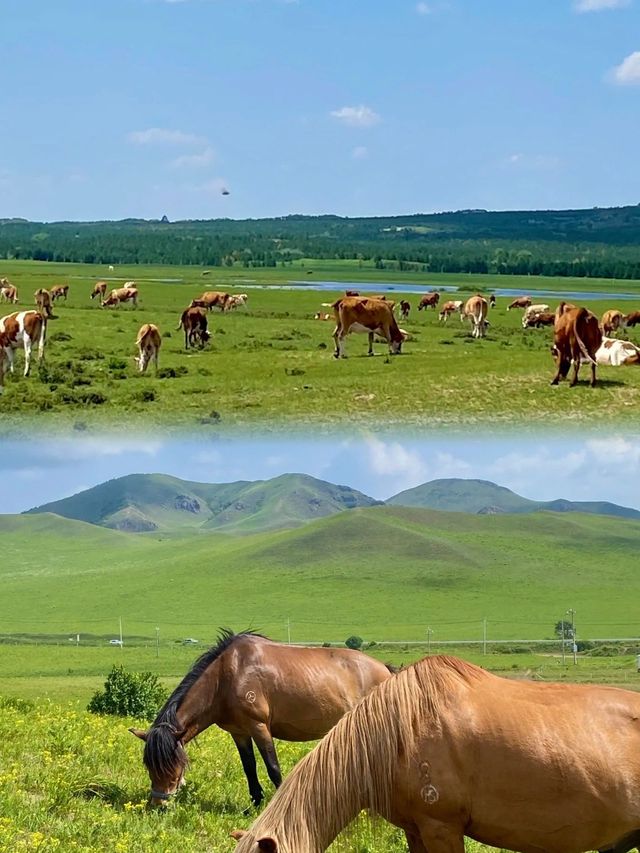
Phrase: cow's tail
(180, 324)
(583, 315)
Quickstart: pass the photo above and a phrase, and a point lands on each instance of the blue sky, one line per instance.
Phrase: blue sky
(589, 468)
(116, 108)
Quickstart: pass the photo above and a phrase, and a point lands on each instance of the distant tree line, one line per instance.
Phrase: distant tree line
(596, 243)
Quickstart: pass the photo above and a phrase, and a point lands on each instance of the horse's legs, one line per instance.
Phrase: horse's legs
(414, 843)
(264, 742)
(248, 759)
(440, 837)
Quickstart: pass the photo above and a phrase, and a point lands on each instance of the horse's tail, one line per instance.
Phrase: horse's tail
(583, 315)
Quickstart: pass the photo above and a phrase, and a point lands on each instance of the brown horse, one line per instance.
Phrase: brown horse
(445, 749)
(256, 690)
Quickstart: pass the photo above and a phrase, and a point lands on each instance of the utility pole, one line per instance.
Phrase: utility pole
(157, 642)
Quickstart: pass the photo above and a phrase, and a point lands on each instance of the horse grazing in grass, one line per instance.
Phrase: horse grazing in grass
(256, 690)
(445, 749)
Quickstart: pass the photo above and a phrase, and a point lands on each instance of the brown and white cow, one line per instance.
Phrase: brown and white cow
(351, 293)
(546, 318)
(577, 336)
(236, 300)
(8, 292)
(492, 301)
(194, 323)
(148, 343)
(612, 321)
(99, 289)
(429, 300)
(121, 294)
(211, 299)
(58, 291)
(533, 311)
(475, 309)
(520, 302)
(43, 301)
(451, 307)
(365, 314)
(21, 328)
(405, 308)
(613, 352)
(632, 319)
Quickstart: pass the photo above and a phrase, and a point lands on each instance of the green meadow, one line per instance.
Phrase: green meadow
(270, 365)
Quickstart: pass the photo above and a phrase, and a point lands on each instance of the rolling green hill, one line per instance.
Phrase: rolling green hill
(146, 502)
(481, 496)
(384, 572)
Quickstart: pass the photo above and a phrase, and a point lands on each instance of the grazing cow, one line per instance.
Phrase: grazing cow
(450, 308)
(22, 327)
(429, 300)
(351, 293)
(8, 293)
(211, 299)
(405, 308)
(520, 302)
(322, 315)
(59, 290)
(612, 321)
(43, 301)
(364, 314)
(111, 267)
(130, 285)
(194, 323)
(546, 318)
(613, 352)
(148, 343)
(632, 319)
(99, 289)
(533, 311)
(475, 309)
(577, 335)
(492, 301)
(121, 294)
(236, 300)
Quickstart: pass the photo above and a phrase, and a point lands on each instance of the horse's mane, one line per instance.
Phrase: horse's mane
(314, 804)
(162, 751)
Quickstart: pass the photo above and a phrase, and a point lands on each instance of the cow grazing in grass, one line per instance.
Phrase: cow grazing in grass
(520, 302)
(23, 328)
(58, 291)
(236, 300)
(148, 343)
(612, 321)
(351, 293)
(632, 319)
(492, 301)
(546, 318)
(99, 289)
(43, 301)
(364, 314)
(8, 293)
(429, 300)
(577, 336)
(211, 299)
(451, 307)
(613, 352)
(194, 323)
(533, 311)
(405, 308)
(475, 309)
(121, 294)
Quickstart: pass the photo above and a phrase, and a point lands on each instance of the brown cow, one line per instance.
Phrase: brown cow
(520, 302)
(99, 289)
(577, 335)
(211, 299)
(450, 308)
(22, 327)
(148, 343)
(405, 308)
(58, 291)
(121, 294)
(475, 309)
(43, 301)
(429, 300)
(612, 321)
(194, 323)
(544, 318)
(364, 314)
(351, 293)
(8, 293)
(632, 319)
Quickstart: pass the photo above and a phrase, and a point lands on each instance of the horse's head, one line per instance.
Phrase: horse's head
(247, 841)
(165, 759)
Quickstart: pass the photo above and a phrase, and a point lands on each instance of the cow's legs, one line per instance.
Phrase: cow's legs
(370, 351)
(27, 354)
(576, 370)
(336, 331)
(562, 365)
(593, 375)
(155, 358)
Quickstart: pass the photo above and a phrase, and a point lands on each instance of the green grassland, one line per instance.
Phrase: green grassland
(270, 365)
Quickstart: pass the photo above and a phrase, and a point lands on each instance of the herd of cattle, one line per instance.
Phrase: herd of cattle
(579, 336)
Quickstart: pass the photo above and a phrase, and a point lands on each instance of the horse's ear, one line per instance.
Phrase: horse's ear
(139, 733)
(237, 834)
(267, 845)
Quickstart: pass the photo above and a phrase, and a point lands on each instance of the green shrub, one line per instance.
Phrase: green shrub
(129, 694)
(353, 642)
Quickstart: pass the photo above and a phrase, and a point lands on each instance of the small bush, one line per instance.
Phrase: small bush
(172, 372)
(60, 336)
(116, 364)
(145, 396)
(129, 694)
(354, 642)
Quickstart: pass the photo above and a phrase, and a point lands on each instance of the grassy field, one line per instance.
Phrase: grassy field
(270, 366)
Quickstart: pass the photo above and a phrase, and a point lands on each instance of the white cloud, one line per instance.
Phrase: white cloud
(613, 452)
(599, 5)
(628, 72)
(360, 152)
(533, 161)
(360, 116)
(392, 459)
(163, 136)
(92, 448)
(423, 9)
(194, 161)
